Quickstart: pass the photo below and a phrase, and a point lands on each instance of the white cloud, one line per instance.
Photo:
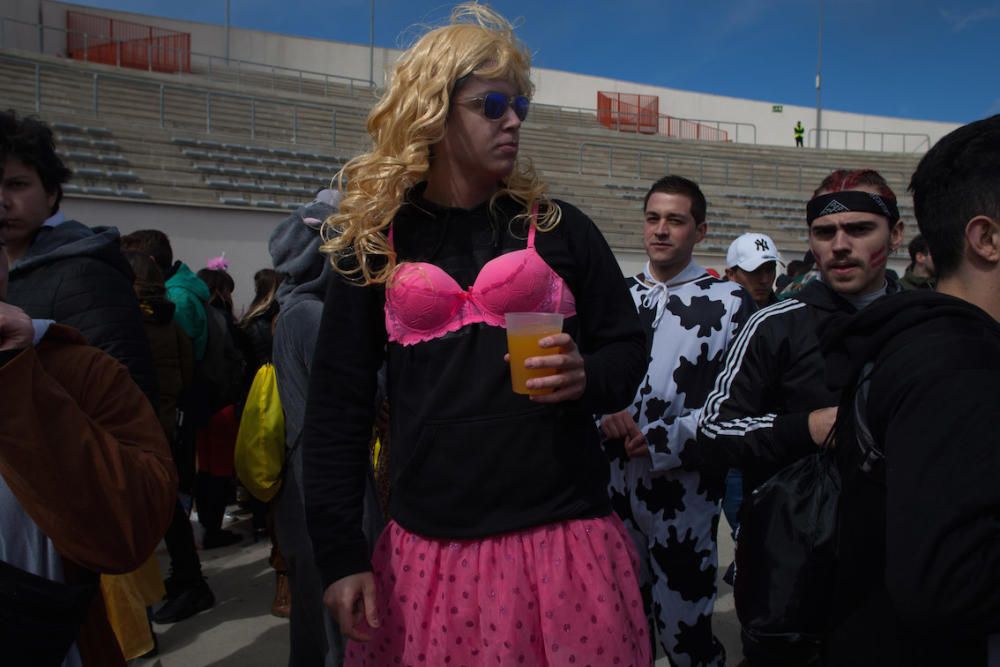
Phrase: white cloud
(959, 22)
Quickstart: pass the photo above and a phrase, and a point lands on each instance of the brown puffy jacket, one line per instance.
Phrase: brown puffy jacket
(84, 454)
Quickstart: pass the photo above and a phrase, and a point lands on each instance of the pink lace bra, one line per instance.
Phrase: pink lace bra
(423, 302)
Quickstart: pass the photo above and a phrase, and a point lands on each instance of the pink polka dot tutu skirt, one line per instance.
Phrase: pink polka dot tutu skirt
(559, 595)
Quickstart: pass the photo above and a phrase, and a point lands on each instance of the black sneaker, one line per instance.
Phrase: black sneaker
(171, 587)
(220, 538)
(185, 604)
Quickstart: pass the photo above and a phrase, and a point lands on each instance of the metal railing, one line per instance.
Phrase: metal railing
(731, 171)
(868, 140)
(729, 126)
(588, 117)
(215, 68)
(166, 94)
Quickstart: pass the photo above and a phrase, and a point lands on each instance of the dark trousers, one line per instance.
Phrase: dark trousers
(771, 653)
(211, 495)
(260, 516)
(314, 641)
(185, 567)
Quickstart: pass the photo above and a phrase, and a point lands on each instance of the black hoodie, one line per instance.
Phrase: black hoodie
(470, 458)
(918, 579)
(76, 275)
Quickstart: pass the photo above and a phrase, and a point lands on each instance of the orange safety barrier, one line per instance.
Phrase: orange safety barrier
(112, 42)
(628, 112)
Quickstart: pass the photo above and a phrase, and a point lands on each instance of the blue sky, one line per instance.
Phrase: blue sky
(934, 60)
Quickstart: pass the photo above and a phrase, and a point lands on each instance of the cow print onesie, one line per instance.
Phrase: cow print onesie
(673, 513)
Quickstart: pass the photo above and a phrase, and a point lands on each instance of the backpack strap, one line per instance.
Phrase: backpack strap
(872, 455)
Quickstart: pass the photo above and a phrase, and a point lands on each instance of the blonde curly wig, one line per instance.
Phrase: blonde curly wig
(404, 126)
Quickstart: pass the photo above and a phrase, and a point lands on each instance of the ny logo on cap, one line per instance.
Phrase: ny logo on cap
(761, 245)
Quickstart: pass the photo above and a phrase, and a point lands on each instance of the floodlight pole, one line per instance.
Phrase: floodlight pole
(371, 46)
(819, 67)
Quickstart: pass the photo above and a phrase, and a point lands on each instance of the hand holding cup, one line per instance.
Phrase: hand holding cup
(545, 363)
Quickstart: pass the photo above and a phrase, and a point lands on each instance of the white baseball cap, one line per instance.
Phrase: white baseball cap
(751, 250)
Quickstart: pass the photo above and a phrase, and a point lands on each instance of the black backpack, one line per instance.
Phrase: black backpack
(219, 375)
(786, 550)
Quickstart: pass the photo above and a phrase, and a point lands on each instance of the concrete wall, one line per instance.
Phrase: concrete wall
(14, 34)
(580, 90)
(553, 86)
(196, 233)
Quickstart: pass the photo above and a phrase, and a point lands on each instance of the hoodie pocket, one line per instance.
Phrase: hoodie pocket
(485, 471)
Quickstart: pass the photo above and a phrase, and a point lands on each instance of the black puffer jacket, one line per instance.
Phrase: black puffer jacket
(76, 275)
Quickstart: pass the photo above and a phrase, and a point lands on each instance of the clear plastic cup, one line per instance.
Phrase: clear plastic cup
(524, 330)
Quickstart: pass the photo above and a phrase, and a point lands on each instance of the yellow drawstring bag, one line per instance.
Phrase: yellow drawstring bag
(260, 443)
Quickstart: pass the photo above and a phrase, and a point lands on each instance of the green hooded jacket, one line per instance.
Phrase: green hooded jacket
(190, 295)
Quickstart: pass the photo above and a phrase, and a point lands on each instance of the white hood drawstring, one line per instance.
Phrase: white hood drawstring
(658, 292)
(656, 296)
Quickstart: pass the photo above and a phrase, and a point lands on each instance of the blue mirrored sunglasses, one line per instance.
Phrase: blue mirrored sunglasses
(494, 105)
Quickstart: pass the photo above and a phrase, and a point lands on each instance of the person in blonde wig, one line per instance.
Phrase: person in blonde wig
(501, 546)
(410, 119)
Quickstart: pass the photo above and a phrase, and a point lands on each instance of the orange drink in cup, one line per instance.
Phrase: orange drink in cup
(524, 330)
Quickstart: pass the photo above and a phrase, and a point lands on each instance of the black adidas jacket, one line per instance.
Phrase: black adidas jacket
(757, 417)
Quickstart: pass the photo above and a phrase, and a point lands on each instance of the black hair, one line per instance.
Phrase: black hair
(221, 286)
(917, 245)
(151, 242)
(265, 284)
(957, 180)
(144, 267)
(678, 185)
(796, 268)
(30, 140)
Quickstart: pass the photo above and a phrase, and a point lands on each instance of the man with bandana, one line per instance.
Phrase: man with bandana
(690, 319)
(771, 404)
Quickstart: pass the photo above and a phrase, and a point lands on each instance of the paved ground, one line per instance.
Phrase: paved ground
(240, 631)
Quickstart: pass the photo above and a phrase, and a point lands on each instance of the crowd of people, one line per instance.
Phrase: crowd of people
(428, 514)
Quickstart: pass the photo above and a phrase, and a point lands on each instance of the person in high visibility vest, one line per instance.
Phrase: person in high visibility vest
(799, 134)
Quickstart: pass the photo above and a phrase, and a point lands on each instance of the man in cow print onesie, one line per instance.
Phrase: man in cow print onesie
(673, 514)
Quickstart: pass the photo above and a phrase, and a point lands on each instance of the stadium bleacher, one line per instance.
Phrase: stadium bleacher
(144, 135)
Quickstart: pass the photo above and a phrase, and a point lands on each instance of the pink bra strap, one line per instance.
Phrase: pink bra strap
(390, 236)
(531, 227)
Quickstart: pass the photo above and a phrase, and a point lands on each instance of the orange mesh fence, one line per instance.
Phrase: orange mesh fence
(628, 112)
(112, 42)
